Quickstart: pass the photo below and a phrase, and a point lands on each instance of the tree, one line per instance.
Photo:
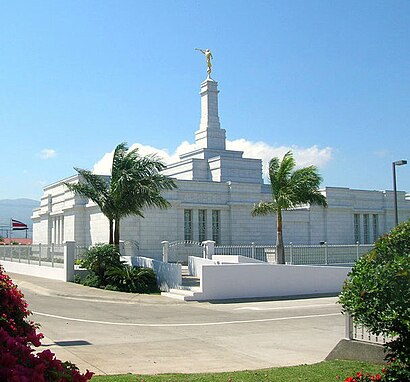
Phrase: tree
(290, 188)
(377, 295)
(136, 182)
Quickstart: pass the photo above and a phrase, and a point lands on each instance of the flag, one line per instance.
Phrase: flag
(17, 225)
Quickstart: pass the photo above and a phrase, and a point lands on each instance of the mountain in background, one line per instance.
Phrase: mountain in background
(19, 209)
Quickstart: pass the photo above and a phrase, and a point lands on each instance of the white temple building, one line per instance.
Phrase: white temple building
(216, 190)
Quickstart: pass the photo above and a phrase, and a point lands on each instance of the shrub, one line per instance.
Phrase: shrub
(377, 295)
(109, 272)
(18, 362)
(133, 279)
(98, 260)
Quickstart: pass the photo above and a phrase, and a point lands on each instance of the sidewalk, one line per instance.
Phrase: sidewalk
(117, 333)
(49, 287)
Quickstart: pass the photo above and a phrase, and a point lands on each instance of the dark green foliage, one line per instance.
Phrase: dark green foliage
(133, 279)
(109, 272)
(98, 260)
(377, 295)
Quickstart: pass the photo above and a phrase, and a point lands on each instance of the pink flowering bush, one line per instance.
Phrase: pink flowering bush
(361, 377)
(18, 336)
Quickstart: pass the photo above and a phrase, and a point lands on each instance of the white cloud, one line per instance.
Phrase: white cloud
(304, 156)
(313, 155)
(47, 153)
(103, 166)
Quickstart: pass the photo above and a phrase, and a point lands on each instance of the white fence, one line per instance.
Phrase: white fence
(51, 261)
(253, 251)
(354, 331)
(37, 254)
(179, 251)
(324, 254)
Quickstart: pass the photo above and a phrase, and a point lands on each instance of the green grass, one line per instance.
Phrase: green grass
(323, 372)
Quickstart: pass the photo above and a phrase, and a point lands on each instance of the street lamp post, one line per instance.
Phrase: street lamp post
(396, 163)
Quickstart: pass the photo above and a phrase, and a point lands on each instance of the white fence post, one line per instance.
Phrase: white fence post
(51, 254)
(253, 250)
(326, 254)
(357, 250)
(348, 326)
(291, 253)
(165, 251)
(69, 256)
(39, 254)
(209, 249)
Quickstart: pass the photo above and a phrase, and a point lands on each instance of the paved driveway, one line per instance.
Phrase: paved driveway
(112, 333)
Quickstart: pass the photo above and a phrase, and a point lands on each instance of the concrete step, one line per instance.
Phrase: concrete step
(191, 281)
(183, 293)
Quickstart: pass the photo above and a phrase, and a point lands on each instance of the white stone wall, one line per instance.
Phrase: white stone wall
(84, 223)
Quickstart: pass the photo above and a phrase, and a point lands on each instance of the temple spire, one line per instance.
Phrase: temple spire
(210, 135)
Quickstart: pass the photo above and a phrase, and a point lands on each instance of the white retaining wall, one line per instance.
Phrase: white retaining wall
(168, 275)
(34, 270)
(195, 263)
(227, 281)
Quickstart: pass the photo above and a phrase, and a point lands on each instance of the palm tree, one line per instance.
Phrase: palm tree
(290, 188)
(136, 182)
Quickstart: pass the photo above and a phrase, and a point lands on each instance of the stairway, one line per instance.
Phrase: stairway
(189, 290)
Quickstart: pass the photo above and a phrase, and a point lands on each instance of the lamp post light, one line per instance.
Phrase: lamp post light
(396, 163)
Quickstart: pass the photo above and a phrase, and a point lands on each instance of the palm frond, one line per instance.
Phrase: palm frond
(264, 208)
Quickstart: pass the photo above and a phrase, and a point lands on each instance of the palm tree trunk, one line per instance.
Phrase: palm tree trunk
(111, 231)
(280, 249)
(117, 233)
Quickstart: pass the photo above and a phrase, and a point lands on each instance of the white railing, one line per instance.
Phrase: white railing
(50, 261)
(79, 253)
(37, 254)
(179, 251)
(253, 251)
(324, 254)
(357, 332)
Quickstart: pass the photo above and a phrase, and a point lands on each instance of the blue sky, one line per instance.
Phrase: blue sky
(328, 79)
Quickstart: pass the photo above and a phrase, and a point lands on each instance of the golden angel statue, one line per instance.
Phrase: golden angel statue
(208, 56)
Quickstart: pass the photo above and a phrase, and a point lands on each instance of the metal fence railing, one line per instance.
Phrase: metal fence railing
(324, 254)
(37, 254)
(258, 252)
(79, 252)
(179, 251)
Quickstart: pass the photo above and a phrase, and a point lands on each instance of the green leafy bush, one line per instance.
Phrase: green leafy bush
(109, 272)
(133, 279)
(377, 295)
(98, 260)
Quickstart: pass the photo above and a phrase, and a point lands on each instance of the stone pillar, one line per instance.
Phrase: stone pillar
(209, 249)
(210, 135)
(165, 251)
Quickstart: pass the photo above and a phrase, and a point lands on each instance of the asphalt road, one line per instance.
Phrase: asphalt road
(115, 333)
